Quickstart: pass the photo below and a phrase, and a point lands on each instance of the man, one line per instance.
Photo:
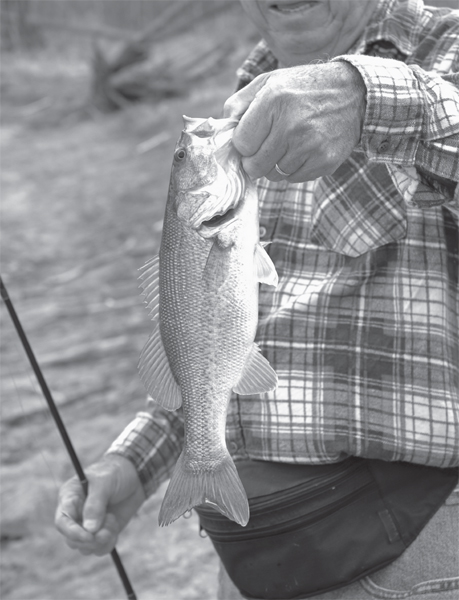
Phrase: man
(349, 121)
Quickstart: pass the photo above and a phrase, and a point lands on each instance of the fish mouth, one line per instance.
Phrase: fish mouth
(217, 222)
(292, 6)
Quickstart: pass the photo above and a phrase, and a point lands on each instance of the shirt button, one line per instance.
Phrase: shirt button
(233, 446)
(262, 231)
(383, 146)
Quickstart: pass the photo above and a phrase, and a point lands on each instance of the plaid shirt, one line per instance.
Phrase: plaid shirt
(362, 329)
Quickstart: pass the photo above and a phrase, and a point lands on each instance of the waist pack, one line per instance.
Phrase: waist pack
(316, 528)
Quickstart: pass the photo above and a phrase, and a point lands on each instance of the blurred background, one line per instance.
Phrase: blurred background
(92, 98)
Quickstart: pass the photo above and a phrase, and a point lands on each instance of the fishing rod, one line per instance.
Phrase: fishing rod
(60, 425)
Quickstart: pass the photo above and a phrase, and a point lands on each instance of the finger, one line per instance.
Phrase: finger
(286, 166)
(248, 106)
(70, 529)
(107, 537)
(264, 161)
(303, 161)
(274, 175)
(71, 496)
(309, 171)
(238, 103)
(253, 129)
(95, 507)
(69, 510)
(256, 172)
(90, 549)
(99, 544)
(287, 172)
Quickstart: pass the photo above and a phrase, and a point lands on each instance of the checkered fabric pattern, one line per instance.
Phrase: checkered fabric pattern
(363, 327)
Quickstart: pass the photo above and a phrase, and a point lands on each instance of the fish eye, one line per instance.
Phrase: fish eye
(180, 154)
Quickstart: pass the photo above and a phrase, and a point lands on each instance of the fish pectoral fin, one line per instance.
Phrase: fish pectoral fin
(257, 376)
(217, 267)
(150, 286)
(156, 375)
(264, 267)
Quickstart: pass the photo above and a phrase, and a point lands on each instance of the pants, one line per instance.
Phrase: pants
(427, 570)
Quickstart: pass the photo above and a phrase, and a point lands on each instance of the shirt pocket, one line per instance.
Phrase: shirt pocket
(357, 209)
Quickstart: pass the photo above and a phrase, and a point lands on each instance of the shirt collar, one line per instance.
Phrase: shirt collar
(396, 21)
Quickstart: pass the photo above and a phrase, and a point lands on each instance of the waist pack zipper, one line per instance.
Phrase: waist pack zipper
(290, 496)
(303, 521)
(285, 500)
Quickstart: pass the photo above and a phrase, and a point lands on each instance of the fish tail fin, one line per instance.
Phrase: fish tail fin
(221, 487)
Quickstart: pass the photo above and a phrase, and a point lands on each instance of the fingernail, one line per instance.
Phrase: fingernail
(91, 525)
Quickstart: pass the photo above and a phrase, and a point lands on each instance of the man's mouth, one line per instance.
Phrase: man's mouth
(292, 7)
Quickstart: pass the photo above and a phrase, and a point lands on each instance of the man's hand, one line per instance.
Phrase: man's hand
(91, 524)
(305, 119)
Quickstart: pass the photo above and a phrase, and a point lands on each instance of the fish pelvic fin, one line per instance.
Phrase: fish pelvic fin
(221, 487)
(264, 267)
(257, 376)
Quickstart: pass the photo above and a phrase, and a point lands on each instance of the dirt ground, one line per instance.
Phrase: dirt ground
(83, 196)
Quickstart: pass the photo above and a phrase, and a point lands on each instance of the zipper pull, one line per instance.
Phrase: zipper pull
(202, 532)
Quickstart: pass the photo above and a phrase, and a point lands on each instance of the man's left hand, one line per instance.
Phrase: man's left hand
(305, 119)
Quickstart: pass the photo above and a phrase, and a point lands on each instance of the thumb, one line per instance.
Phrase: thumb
(238, 103)
(95, 507)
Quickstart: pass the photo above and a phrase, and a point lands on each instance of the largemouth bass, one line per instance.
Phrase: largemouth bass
(203, 296)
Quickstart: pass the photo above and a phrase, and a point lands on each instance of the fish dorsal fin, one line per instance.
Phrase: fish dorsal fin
(156, 375)
(150, 286)
(265, 269)
(257, 376)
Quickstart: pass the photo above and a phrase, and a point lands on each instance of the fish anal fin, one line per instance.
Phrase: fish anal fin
(257, 376)
(156, 375)
(264, 267)
(221, 487)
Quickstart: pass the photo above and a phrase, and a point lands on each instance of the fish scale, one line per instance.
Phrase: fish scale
(205, 315)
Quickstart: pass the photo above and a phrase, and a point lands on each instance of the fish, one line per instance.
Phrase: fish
(202, 293)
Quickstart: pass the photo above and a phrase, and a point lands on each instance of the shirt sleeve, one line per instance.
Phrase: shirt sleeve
(152, 442)
(412, 125)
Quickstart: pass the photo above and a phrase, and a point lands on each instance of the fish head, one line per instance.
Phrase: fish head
(207, 179)
(194, 164)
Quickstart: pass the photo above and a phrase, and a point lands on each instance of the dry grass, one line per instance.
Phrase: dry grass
(82, 203)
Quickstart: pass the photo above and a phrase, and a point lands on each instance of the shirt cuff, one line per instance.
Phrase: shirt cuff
(395, 109)
(152, 444)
